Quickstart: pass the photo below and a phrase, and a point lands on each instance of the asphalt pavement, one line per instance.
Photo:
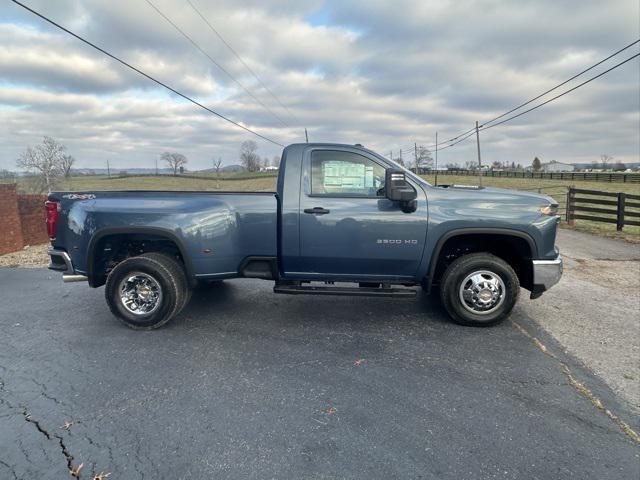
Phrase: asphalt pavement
(594, 312)
(249, 384)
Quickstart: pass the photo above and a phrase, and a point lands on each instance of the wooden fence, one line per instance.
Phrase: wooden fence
(609, 207)
(580, 176)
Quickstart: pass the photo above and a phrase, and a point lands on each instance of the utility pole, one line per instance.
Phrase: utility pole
(306, 135)
(108, 170)
(479, 159)
(391, 154)
(415, 152)
(156, 166)
(401, 162)
(436, 179)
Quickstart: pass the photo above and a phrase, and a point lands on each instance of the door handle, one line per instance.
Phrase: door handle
(316, 211)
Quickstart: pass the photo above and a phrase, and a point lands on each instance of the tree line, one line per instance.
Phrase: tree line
(49, 161)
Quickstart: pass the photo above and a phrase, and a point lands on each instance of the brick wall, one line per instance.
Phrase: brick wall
(22, 219)
(32, 218)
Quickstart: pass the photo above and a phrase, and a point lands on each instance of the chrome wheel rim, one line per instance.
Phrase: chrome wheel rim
(482, 292)
(140, 293)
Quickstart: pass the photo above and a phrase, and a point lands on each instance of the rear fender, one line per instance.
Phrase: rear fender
(155, 231)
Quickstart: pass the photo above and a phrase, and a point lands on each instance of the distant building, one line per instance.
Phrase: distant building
(554, 166)
(269, 168)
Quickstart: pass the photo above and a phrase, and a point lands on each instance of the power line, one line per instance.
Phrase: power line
(484, 124)
(472, 132)
(562, 94)
(560, 84)
(219, 35)
(137, 70)
(460, 140)
(464, 135)
(226, 72)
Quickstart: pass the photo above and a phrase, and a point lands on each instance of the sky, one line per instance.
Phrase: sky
(385, 74)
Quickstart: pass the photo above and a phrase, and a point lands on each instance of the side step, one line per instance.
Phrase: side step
(344, 291)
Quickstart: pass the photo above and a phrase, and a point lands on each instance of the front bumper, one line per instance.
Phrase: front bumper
(546, 273)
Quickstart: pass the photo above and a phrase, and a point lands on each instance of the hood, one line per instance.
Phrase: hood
(504, 194)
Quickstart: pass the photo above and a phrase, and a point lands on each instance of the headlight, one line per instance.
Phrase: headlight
(551, 209)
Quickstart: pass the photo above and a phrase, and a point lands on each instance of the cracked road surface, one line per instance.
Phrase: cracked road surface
(248, 384)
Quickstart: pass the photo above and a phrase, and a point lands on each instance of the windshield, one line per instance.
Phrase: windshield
(408, 172)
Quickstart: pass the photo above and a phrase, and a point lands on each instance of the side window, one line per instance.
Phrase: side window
(345, 174)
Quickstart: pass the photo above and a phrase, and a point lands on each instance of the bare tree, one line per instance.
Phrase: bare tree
(248, 156)
(275, 161)
(217, 164)
(422, 158)
(174, 160)
(45, 159)
(605, 159)
(66, 163)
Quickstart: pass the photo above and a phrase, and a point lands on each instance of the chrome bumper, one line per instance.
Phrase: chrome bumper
(546, 273)
(61, 262)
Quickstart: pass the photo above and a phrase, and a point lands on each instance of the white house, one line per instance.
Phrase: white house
(554, 166)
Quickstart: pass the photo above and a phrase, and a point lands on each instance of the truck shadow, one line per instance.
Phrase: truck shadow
(249, 301)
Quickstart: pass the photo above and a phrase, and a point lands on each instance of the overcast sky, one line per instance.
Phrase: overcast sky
(381, 73)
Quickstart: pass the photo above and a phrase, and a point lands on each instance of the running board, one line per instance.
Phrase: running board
(345, 291)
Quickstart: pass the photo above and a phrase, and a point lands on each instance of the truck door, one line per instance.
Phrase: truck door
(348, 229)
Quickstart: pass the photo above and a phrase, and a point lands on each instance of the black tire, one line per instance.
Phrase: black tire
(186, 288)
(167, 276)
(457, 273)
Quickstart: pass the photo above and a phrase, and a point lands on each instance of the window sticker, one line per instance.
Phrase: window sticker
(346, 175)
(368, 177)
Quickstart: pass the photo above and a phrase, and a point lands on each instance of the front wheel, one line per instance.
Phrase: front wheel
(479, 289)
(146, 291)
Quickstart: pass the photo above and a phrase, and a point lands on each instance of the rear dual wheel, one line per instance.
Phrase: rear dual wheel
(146, 291)
(479, 289)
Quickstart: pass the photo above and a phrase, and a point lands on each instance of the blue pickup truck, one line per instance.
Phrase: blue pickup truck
(343, 221)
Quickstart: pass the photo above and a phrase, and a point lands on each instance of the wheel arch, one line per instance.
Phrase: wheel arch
(482, 235)
(96, 280)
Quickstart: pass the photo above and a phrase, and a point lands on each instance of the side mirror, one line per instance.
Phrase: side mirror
(397, 189)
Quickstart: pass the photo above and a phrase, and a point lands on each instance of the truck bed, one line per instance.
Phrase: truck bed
(215, 231)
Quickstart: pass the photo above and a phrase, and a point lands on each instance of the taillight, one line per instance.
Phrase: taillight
(53, 211)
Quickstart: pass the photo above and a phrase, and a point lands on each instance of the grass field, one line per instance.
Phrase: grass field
(243, 181)
(240, 181)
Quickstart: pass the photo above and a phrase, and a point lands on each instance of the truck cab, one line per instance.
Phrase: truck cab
(339, 222)
(342, 221)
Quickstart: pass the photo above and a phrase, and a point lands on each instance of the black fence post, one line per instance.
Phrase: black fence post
(570, 195)
(620, 212)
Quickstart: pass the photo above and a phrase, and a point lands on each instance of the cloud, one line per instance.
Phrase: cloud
(385, 74)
